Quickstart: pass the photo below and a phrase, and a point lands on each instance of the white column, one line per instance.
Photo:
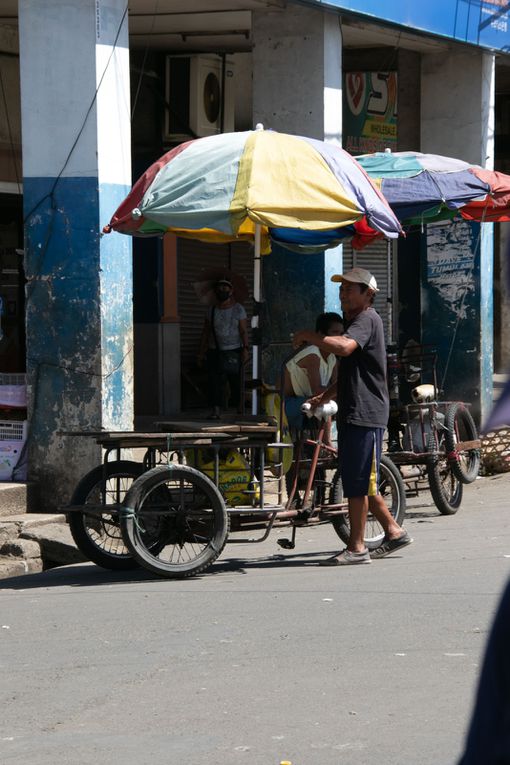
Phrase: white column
(297, 88)
(297, 71)
(457, 106)
(74, 66)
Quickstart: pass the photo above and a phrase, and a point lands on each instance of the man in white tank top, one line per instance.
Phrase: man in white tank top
(310, 372)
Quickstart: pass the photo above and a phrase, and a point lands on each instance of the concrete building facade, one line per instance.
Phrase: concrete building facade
(95, 106)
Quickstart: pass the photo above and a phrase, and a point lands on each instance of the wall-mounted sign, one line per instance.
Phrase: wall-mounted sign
(479, 22)
(370, 112)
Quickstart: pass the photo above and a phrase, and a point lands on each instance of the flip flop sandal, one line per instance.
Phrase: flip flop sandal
(390, 546)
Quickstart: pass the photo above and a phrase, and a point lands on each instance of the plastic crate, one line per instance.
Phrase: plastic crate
(13, 435)
(13, 390)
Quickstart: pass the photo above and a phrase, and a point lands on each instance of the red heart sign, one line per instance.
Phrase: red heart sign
(355, 83)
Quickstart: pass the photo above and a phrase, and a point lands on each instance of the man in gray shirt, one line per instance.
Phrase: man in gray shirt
(363, 409)
(224, 343)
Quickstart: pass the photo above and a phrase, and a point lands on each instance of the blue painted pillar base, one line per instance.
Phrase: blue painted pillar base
(457, 310)
(79, 328)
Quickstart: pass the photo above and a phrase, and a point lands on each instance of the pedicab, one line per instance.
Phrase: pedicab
(200, 486)
(434, 442)
(172, 512)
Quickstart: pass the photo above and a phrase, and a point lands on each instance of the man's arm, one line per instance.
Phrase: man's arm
(340, 346)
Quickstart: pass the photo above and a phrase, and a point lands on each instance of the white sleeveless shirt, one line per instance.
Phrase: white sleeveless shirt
(299, 376)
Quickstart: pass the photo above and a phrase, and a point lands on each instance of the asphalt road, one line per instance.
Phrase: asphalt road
(267, 657)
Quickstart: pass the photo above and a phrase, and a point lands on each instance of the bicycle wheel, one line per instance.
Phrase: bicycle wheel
(192, 521)
(460, 426)
(445, 487)
(99, 537)
(391, 488)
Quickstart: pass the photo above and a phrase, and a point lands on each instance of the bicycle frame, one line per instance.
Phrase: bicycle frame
(318, 446)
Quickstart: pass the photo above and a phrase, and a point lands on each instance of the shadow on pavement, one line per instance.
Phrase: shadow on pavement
(90, 575)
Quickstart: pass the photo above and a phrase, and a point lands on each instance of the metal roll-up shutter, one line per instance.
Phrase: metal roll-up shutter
(192, 258)
(378, 258)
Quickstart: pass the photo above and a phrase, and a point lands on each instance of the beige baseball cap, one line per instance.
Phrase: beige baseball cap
(359, 276)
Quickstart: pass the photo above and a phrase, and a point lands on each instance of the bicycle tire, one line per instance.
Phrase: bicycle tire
(99, 538)
(192, 514)
(391, 485)
(460, 426)
(445, 487)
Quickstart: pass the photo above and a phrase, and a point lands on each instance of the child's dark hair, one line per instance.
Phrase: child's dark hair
(325, 320)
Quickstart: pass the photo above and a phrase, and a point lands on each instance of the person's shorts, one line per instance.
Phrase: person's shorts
(295, 416)
(359, 453)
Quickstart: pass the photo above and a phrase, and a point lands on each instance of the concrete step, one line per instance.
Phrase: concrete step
(55, 542)
(15, 498)
(19, 566)
(31, 542)
(14, 526)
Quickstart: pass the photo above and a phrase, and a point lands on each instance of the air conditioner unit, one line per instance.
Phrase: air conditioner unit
(199, 96)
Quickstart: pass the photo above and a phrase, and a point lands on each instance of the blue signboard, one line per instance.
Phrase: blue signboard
(479, 22)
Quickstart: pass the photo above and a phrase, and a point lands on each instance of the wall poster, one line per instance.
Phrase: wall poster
(370, 112)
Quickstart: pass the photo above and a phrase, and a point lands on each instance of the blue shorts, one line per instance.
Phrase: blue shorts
(359, 453)
(293, 411)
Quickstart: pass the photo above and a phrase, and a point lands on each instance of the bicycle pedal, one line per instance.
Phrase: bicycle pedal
(287, 544)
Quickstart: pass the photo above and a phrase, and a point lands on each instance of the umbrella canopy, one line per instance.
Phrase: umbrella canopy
(220, 187)
(243, 185)
(422, 188)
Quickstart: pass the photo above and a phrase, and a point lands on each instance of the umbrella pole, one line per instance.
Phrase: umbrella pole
(255, 320)
(389, 267)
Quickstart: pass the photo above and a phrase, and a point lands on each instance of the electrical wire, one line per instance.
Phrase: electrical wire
(145, 54)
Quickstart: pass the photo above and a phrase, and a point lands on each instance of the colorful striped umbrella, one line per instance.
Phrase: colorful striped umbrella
(220, 187)
(244, 185)
(422, 188)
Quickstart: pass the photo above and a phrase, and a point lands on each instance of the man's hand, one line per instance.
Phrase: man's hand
(200, 359)
(321, 398)
(245, 355)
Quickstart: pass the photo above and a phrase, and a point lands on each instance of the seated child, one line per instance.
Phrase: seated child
(309, 372)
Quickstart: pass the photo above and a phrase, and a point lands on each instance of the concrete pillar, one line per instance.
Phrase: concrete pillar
(457, 119)
(502, 296)
(74, 62)
(297, 88)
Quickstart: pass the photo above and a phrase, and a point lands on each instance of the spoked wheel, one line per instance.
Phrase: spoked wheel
(391, 488)
(97, 535)
(190, 514)
(460, 427)
(445, 487)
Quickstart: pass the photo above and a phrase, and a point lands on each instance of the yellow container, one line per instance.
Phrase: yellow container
(234, 476)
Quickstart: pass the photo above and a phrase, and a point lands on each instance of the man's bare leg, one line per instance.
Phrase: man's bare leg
(379, 509)
(358, 511)
(356, 552)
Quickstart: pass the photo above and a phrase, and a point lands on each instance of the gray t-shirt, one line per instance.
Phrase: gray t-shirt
(226, 326)
(362, 385)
